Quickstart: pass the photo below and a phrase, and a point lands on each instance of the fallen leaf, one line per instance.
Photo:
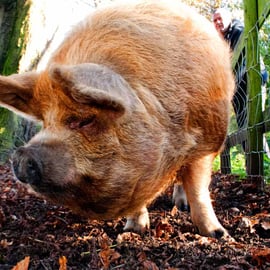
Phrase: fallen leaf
(163, 228)
(261, 255)
(141, 256)
(63, 263)
(248, 223)
(23, 264)
(205, 240)
(128, 237)
(174, 211)
(4, 243)
(237, 245)
(266, 225)
(149, 265)
(108, 256)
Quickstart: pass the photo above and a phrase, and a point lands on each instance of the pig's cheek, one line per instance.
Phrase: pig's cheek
(57, 180)
(69, 177)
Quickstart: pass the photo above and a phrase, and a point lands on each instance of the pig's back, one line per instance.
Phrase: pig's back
(143, 42)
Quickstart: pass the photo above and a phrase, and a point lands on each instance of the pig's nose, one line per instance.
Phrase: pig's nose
(27, 167)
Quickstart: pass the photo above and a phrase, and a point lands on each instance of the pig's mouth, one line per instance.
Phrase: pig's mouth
(76, 192)
(86, 201)
(73, 196)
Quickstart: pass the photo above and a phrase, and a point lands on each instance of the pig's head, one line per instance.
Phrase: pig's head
(97, 140)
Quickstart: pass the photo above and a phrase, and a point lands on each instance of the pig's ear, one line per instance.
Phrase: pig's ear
(97, 86)
(16, 93)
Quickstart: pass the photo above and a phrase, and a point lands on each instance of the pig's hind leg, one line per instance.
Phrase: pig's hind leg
(179, 197)
(196, 179)
(138, 222)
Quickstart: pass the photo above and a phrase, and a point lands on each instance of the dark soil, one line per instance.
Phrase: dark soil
(52, 237)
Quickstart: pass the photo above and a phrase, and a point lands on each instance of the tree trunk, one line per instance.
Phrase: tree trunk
(13, 30)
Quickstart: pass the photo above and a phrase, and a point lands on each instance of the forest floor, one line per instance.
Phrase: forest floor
(35, 234)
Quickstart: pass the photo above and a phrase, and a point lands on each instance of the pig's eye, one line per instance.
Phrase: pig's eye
(86, 122)
(77, 123)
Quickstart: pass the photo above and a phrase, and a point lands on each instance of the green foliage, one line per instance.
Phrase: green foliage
(267, 160)
(238, 161)
(216, 164)
(267, 168)
(264, 36)
(7, 127)
(207, 7)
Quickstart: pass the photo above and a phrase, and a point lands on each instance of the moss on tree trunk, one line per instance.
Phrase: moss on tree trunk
(8, 124)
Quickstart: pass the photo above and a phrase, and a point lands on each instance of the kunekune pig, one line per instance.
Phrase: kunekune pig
(135, 93)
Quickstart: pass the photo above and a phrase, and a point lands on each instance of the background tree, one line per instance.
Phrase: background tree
(13, 29)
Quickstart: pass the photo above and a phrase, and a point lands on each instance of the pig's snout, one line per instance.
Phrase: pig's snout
(27, 166)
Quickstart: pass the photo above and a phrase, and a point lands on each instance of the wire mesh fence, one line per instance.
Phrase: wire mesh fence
(247, 147)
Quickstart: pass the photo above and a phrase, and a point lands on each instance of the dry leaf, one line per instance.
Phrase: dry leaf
(266, 225)
(4, 243)
(237, 245)
(141, 256)
(149, 265)
(23, 264)
(163, 228)
(108, 256)
(128, 237)
(174, 211)
(205, 240)
(261, 255)
(63, 263)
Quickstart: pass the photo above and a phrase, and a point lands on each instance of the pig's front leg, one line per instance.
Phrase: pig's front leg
(196, 179)
(138, 222)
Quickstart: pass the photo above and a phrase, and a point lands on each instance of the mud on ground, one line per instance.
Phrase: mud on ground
(40, 235)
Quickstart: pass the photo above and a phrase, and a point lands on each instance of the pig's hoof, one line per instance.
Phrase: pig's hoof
(139, 222)
(181, 204)
(222, 234)
(179, 198)
(219, 233)
(183, 207)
